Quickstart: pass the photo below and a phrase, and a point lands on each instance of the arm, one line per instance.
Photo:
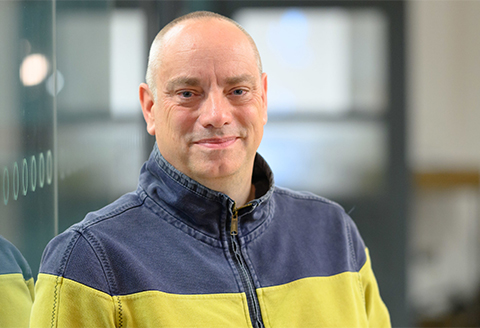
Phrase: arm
(377, 312)
(72, 289)
(16, 287)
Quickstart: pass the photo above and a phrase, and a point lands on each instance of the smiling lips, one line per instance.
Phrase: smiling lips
(217, 143)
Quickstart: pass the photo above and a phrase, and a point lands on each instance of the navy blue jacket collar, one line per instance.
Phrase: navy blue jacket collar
(203, 209)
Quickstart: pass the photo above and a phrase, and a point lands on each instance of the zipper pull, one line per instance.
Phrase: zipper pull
(234, 224)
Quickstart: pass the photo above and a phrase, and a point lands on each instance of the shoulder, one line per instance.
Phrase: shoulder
(324, 218)
(114, 211)
(12, 260)
(307, 203)
(79, 252)
(16, 286)
(304, 195)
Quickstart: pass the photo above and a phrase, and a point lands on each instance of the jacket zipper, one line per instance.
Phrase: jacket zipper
(246, 277)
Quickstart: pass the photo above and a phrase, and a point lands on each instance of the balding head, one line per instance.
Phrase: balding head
(210, 104)
(156, 50)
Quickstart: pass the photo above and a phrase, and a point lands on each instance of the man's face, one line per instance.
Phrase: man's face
(211, 100)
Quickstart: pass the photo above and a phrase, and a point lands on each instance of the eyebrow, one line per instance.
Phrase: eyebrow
(194, 82)
(183, 81)
(240, 79)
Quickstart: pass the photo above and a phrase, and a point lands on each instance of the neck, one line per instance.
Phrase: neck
(241, 191)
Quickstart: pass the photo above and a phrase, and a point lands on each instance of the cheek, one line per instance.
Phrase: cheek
(255, 116)
(177, 123)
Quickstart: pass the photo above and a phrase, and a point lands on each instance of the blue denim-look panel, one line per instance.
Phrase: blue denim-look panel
(12, 261)
(172, 235)
(309, 236)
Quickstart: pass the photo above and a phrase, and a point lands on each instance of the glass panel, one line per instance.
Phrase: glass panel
(343, 159)
(321, 60)
(323, 64)
(93, 117)
(27, 180)
(127, 61)
(101, 60)
(57, 165)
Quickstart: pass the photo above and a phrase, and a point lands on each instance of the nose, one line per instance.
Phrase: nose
(215, 111)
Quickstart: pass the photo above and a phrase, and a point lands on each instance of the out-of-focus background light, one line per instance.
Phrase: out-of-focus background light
(50, 85)
(34, 69)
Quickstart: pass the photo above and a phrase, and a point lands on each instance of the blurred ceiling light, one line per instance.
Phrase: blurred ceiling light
(34, 69)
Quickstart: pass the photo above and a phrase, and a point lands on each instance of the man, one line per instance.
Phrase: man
(16, 286)
(207, 240)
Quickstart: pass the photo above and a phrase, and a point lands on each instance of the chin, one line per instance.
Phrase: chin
(215, 170)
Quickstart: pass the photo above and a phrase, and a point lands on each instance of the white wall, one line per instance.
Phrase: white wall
(443, 84)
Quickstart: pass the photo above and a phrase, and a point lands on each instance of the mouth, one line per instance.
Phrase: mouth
(217, 143)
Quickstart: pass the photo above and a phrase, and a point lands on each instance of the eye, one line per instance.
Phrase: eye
(238, 92)
(186, 94)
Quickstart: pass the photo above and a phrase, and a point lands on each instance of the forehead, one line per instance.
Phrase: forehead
(202, 44)
(204, 31)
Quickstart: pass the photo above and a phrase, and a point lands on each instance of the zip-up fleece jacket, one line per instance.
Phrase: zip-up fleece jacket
(177, 254)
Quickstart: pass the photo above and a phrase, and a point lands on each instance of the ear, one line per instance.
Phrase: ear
(264, 97)
(147, 101)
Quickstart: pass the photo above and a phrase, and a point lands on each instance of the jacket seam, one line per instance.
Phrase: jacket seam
(354, 260)
(120, 312)
(55, 295)
(350, 245)
(100, 253)
(60, 274)
(110, 215)
(313, 197)
(100, 261)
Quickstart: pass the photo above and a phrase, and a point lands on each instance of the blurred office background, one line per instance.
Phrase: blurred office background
(374, 104)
